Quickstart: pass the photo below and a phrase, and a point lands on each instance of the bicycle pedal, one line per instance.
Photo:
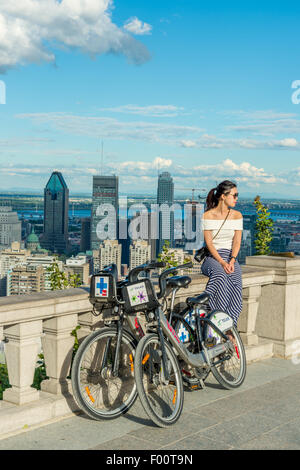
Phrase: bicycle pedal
(193, 383)
(210, 342)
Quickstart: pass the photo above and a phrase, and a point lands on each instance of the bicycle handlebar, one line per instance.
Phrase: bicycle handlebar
(162, 277)
(132, 276)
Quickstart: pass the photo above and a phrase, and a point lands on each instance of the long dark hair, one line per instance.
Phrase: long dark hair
(214, 194)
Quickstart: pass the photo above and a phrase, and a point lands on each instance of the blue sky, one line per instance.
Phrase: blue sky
(200, 89)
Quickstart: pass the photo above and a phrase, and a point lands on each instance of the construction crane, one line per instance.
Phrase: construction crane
(193, 191)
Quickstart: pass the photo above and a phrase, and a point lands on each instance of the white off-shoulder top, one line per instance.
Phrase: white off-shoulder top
(225, 237)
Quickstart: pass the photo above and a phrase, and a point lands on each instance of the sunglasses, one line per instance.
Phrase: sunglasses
(235, 196)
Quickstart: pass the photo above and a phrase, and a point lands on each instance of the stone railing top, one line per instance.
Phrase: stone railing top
(259, 270)
(275, 262)
(43, 305)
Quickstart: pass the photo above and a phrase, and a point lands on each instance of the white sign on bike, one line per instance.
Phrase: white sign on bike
(137, 294)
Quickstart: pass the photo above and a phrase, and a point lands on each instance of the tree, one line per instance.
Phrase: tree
(168, 256)
(60, 280)
(263, 228)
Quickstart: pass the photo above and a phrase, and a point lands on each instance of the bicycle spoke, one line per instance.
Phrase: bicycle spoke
(98, 391)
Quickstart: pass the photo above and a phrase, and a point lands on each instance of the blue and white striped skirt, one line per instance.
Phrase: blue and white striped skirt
(225, 290)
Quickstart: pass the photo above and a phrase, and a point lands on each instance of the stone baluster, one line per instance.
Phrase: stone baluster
(247, 320)
(21, 358)
(88, 323)
(58, 345)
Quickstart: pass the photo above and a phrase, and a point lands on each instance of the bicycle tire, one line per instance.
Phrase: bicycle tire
(96, 392)
(155, 395)
(224, 371)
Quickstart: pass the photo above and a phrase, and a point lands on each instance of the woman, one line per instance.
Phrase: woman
(224, 272)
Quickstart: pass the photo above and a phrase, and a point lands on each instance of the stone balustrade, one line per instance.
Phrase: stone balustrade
(271, 311)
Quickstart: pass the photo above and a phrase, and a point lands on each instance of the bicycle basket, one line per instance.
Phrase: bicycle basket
(139, 296)
(103, 290)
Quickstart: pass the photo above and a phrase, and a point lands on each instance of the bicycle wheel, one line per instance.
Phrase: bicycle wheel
(162, 399)
(231, 372)
(97, 392)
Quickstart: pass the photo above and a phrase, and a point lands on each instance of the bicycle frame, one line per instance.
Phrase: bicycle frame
(205, 355)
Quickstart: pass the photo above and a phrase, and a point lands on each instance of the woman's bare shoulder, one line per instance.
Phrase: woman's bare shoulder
(209, 215)
(236, 214)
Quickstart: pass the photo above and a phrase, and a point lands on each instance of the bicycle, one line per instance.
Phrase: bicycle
(102, 372)
(156, 366)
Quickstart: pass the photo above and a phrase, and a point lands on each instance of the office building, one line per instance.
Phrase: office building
(140, 253)
(85, 240)
(42, 259)
(56, 207)
(110, 251)
(78, 265)
(10, 227)
(9, 259)
(25, 280)
(105, 191)
(165, 199)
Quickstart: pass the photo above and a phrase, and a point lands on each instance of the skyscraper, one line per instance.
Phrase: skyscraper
(140, 253)
(10, 227)
(85, 241)
(56, 207)
(165, 199)
(105, 191)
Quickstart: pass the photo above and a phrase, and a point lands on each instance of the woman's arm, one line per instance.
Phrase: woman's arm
(236, 243)
(209, 243)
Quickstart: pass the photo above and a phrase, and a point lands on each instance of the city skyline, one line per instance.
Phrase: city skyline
(187, 88)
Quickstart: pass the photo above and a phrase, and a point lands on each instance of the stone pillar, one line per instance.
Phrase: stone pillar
(88, 323)
(21, 357)
(278, 316)
(57, 344)
(247, 320)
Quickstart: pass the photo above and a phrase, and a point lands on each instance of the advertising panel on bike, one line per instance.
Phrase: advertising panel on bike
(139, 296)
(103, 288)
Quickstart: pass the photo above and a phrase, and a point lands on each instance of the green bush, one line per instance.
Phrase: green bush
(263, 228)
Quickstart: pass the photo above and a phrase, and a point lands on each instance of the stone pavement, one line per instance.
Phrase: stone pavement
(262, 414)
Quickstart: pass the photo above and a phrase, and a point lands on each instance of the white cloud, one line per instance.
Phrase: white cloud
(188, 143)
(155, 110)
(29, 29)
(136, 26)
(137, 175)
(115, 129)
(214, 142)
(289, 142)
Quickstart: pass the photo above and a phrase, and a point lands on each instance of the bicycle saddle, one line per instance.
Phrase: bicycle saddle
(200, 299)
(178, 281)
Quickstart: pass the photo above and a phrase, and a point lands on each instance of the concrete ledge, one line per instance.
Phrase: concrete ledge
(14, 418)
(258, 352)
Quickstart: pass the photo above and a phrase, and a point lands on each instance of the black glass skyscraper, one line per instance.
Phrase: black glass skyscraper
(56, 207)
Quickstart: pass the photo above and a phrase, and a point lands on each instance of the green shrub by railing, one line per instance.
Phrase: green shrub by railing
(263, 228)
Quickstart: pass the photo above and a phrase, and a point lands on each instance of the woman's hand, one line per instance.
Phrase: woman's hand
(231, 264)
(226, 267)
